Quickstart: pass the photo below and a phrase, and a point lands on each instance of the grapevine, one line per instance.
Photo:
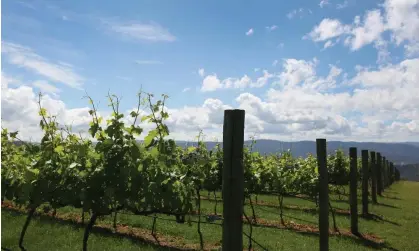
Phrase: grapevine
(113, 171)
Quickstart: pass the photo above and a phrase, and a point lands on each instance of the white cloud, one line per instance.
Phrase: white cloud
(386, 93)
(271, 28)
(399, 17)
(212, 82)
(292, 120)
(343, 5)
(249, 32)
(7, 80)
(295, 71)
(412, 49)
(45, 87)
(20, 112)
(323, 84)
(24, 57)
(328, 44)
(151, 62)
(383, 53)
(186, 89)
(369, 31)
(323, 3)
(296, 12)
(151, 32)
(201, 72)
(382, 106)
(327, 29)
(237, 83)
(392, 76)
(263, 80)
(275, 62)
(402, 18)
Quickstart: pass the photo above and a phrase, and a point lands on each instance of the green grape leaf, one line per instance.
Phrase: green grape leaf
(144, 118)
(73, 165)
(43, 112)
(59, 149)
(134, 114)
(13, 134)
(191, 149)
(154, 152)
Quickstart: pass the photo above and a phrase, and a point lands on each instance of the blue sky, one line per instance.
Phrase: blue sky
(64, 48)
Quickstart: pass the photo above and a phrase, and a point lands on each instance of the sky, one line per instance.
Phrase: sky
(336, 69)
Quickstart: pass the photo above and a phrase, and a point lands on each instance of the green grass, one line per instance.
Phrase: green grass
(50, 235)
(398, 226)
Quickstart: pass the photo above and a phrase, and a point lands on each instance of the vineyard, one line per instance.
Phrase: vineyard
(111, 177)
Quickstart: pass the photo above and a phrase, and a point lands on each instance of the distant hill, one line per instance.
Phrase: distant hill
(409, 172)
(398, 153)
(413, 143)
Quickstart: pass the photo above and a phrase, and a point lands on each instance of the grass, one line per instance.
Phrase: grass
(396, 222)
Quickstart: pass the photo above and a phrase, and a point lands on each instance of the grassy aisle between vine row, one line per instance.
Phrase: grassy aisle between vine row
(398, 226)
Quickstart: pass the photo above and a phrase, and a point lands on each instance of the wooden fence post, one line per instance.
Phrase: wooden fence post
(353, 200)
(384, 172)
(392, 172)
(379, 175)
(365, 178)
(388, 173)
(396, 174)
(323, 194)
(373, 177)
(233, 180)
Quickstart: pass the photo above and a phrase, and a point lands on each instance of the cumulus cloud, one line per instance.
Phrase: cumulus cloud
(295, 71)
(327, 29)
(367, 32)
(19, 111)
(382, 105)
(399, 18)
(212, 82)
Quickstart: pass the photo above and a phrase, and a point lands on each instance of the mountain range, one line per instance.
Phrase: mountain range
(398, 153)
(409, 172)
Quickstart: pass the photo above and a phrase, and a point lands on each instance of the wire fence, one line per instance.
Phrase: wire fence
(173, 220)
(202, 222)
(257, 243)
